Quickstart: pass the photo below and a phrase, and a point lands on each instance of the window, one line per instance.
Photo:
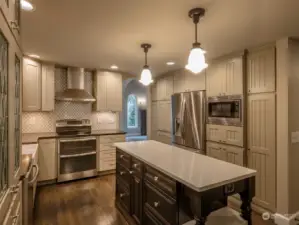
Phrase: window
(132, 112)
(3, 115)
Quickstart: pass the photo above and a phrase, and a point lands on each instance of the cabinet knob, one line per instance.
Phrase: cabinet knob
(121, 156)
(156, 178)
(122, 195)
(135, 165)
(156, 204)
(131, 172)
(122, 173)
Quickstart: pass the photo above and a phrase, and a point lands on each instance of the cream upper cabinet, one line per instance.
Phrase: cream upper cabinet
(195, 82)
(164, 116)
(261, 147)
(38, 86)
(261, 70)
(225, 134)
(31, 85)
(226, 153)
(107, 91)
(47, 159)
(154, 92)
(178, 81)
(48, 87)
(114, 92)
(12, 12)
(164, 88)
(225, 77)
(154, 120)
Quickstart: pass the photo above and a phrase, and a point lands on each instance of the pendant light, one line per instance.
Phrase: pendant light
(196, 60)
(146, 75)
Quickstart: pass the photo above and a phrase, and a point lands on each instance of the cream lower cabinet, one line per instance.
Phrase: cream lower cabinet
(164, 137)
(47, 160)
(107, 91)
(262, 147)
(226, 153)
(106, 152)
(225, 134)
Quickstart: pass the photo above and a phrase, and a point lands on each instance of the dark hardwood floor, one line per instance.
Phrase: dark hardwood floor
(84, 202)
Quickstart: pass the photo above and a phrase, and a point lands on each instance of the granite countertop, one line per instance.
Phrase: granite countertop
(198, 172)
(31, 138)
(29, 152)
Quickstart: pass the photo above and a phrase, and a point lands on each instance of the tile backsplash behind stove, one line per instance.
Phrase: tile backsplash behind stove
(36, 122)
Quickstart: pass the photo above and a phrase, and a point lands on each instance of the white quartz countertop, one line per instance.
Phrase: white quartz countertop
(198, 172)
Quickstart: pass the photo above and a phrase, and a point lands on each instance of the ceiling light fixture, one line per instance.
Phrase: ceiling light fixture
(196, 60)
(114, 67)
(170, 63)
(146, 75)
(34, 56)
(27, 5)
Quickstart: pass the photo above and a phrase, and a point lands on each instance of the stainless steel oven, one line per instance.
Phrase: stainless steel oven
(77, 158)
(226, 110)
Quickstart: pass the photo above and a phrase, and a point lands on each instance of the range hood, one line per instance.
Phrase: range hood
(75, 87)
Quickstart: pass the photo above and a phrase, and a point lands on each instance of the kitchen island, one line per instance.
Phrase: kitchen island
(162, 184)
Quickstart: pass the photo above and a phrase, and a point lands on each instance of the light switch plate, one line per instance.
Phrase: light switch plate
(295, 137)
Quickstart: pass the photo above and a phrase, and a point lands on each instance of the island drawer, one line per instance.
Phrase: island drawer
(165, 206)
(160, 180)
(137, 167)
(123, 158)
(123, 174)
(150, 218)
(123, 195)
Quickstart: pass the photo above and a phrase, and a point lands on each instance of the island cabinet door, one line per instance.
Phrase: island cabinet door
(123, 196)
(136, 199)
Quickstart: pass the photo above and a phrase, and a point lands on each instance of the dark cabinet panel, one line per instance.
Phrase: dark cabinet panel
(123, 196)
(160, 180)
(150, 219)
(123, 159)
(137, 167)
(124, 174)
(136, 199)
(161, 204)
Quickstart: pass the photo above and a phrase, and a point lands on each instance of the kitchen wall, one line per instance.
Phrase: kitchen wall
(132, 86)
(36, 122)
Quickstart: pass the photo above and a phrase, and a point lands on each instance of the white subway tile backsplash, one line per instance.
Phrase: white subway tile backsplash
(36, 122)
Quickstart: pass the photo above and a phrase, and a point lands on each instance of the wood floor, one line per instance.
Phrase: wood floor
(84, 202)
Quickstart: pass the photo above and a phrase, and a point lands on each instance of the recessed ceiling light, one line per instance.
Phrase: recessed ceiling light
(26, 5)
(34, 56)
(114, 67)
(170, 63)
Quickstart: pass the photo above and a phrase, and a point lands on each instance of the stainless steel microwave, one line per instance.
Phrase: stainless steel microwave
(226, 110)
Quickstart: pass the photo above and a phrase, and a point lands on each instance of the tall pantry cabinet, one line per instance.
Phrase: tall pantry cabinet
(10, 108)
(261, 117)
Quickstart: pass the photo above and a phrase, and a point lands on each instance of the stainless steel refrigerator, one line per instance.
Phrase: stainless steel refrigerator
(189, 120)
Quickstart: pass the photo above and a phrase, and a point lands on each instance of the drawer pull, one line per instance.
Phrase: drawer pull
(111, 164)
(122, 195)
(122, 173)
(156, 178)
(121, 156)
(156, 204)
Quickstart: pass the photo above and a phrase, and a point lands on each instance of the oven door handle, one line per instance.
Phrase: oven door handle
(36, 174)
(77, 139)
(78, 155)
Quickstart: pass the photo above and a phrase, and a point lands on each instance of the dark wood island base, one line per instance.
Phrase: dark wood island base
(145, 195)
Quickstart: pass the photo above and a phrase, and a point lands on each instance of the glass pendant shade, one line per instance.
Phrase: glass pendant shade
(146, 76)
(196, 61)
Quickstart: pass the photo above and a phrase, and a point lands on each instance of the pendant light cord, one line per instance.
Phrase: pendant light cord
(145, 57)
(196, 37)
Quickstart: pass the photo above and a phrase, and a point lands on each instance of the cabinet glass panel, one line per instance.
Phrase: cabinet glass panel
(17, 112)
(3, 114)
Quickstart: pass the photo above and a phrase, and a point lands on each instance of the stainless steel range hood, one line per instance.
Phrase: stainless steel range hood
(75, 87)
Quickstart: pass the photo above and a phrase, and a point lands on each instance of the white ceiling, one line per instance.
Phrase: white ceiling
(99, 33)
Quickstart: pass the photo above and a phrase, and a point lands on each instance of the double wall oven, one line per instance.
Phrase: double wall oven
(226, 110)
(77, 155)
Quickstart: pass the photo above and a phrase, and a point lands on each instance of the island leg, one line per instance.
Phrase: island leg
(197, 207)
(246, 197)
